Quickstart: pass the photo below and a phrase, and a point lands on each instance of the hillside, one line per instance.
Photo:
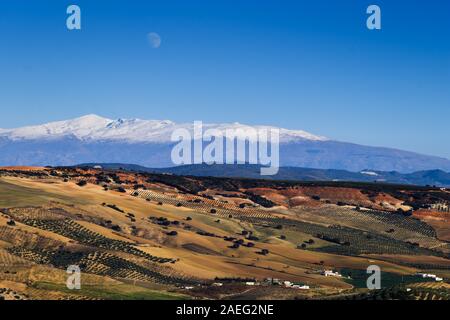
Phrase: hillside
(431, 177)
(159, 236)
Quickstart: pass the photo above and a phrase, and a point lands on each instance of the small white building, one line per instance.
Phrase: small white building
(274, 281)
(430, 275)
(300, 287)
(331, 273)
(304, 287)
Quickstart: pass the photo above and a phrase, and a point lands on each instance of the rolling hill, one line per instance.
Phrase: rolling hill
(159, 236)
(430, 177)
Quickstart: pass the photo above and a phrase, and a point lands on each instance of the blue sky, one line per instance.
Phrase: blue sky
(310, 65)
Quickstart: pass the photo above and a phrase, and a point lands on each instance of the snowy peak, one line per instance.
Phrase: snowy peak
(78, 127)
(95, 128)
(92, 138)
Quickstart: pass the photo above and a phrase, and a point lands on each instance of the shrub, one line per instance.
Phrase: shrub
(260, 200)
(113, 206)
(82, 183)
(116, 228)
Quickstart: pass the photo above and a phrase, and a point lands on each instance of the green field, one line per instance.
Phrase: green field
(359, 278)
(112, 292)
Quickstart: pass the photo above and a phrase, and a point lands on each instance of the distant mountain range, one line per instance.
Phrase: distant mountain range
(430, 177)
(147, 142)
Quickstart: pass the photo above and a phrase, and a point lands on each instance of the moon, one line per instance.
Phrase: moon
(154, 39)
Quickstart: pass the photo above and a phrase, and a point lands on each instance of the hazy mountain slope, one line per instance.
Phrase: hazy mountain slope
(354, 157)
(432, 177)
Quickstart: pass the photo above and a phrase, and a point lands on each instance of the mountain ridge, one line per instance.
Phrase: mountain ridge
(148, 143)
(93, 127)
(430, 177)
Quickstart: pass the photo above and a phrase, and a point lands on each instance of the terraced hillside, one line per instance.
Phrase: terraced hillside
(155, 236)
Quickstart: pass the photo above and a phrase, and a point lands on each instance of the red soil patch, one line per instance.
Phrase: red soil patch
(424, 213)
(440, 221)
(304, 196)
(274, 195)
(382, 197)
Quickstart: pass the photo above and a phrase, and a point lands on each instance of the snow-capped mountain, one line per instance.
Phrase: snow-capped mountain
(148, 143)
(95, 128)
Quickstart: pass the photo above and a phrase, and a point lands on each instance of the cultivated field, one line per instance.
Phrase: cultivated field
(144, 236)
